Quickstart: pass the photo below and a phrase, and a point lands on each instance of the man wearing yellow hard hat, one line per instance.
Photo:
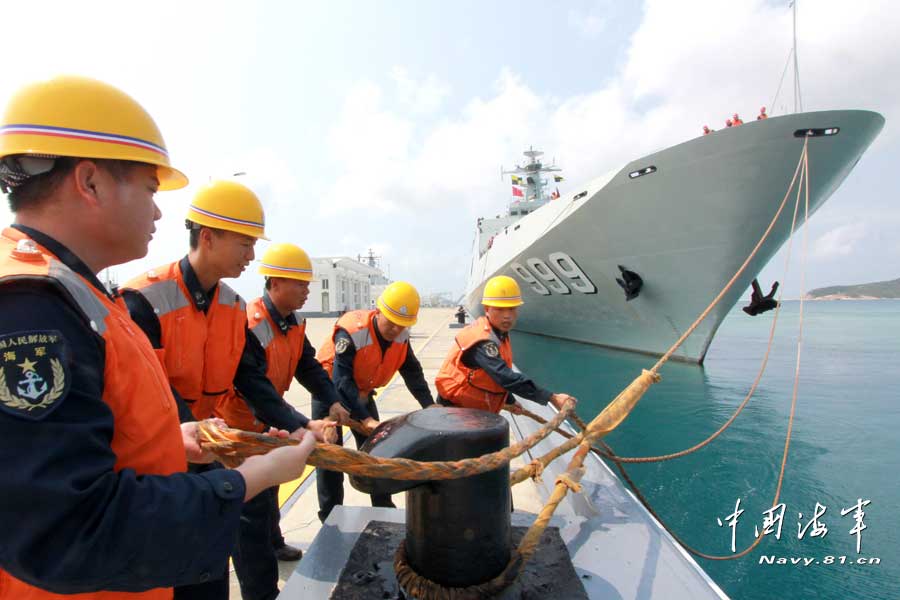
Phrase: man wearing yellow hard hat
(95, 494)
(279, 341)
(477, 372)
(364, 352)
(198, 324)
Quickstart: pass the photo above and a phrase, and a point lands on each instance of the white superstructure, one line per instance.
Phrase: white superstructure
(342, 283)
(683, 219)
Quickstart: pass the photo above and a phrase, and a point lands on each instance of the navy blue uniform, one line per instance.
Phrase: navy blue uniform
(309, 372)
(260, 535)
(250, 379)
(330, 484)
(485, 355)
(342, 374)
(73, 524)
(251, 382)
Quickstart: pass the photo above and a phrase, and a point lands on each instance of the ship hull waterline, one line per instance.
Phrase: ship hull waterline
(685, 227)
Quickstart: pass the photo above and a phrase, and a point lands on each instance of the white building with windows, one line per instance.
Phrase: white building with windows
(341, 283)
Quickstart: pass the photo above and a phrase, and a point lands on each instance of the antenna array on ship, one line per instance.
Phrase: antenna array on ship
(528, 185)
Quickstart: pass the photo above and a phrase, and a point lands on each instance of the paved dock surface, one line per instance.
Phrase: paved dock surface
(431, 338)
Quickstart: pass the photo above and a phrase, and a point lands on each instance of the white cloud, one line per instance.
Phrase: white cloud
(840, 241)
(689, 63)
(587, 23)
(421, 97)
(681, 72)
(399, 171)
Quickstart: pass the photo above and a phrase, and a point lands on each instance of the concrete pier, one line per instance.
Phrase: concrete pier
(431, 338)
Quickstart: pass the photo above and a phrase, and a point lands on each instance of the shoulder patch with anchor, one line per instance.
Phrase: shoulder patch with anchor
(34, 379)
(341, 345)
(491, 349)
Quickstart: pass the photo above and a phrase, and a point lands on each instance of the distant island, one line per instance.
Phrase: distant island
(864, 291)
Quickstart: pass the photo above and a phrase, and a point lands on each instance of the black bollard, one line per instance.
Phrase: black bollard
(457, 531)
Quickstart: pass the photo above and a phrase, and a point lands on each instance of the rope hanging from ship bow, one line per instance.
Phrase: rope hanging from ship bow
(231, 446)
(530, 470)
(585, 444)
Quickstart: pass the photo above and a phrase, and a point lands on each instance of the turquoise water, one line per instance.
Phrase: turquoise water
(845, 443)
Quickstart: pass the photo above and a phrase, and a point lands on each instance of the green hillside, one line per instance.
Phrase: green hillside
(879, 289)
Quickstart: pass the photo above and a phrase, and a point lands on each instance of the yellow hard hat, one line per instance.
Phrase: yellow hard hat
(84, 118)
(502, 291)
(399, 302)
(228, 205)
(288, 261)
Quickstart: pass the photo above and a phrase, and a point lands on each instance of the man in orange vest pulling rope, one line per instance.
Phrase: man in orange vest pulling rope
(96, 501)
(198, 323)
(477, 372)
(364, 352)
(279, 341)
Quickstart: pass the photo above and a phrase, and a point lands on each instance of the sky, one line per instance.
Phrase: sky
(384, 125)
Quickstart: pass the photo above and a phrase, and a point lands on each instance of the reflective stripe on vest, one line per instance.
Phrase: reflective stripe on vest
(371, 370)
(86, 300)
(282, 355)
(146, 436)
(473, 387)
(200, 351)
(264, 332)
(165, 296)
(229, 296)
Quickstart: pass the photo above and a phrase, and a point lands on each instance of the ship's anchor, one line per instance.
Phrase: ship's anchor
(631, 282)
(759, 303)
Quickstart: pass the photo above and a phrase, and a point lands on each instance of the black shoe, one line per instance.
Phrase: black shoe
(288, 553)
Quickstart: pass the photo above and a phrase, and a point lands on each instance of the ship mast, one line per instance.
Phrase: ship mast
(798, 99)
(529, 177)
(369, 259)
(792, 56)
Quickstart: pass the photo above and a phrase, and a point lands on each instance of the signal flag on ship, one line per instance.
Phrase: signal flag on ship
(518, 192)
(557, 178)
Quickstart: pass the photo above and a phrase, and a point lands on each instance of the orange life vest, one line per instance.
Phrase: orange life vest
(371, 369)
(146, 434)
(468, 387)
(282, 355)
(200, 351)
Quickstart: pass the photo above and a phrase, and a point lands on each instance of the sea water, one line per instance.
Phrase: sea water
(840, 523)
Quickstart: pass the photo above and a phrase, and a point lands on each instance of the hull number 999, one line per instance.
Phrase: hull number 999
(560, 274)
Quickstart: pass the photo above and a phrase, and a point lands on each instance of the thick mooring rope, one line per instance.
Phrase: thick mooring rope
(586, 440)
(532, 469)
(231, 446)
